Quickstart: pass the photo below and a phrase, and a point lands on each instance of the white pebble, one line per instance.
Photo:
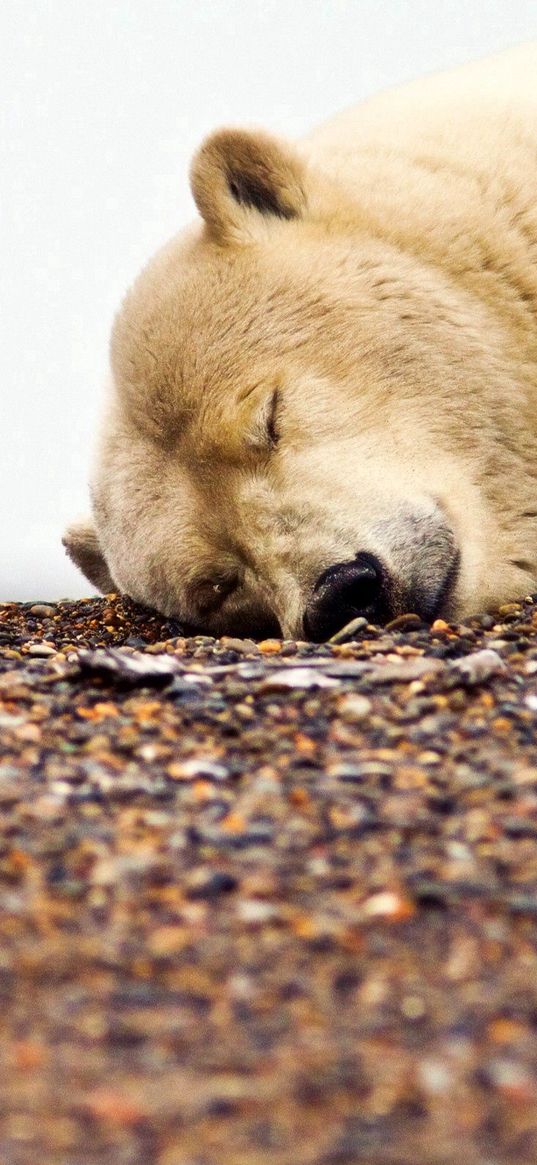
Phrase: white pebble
(255, 912)
(296, 677)
(480, 665)
(353, 708)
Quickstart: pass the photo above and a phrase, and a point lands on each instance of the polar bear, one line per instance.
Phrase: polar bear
(323, 392)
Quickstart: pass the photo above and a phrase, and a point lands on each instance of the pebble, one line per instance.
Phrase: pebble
(351, 629)
(413, 1007)
(353, 708)
(435, 1076)
(299, 677)
(270, 646)
(389, 904)
(404, 671)
(209, 883)
(190, 770)
(405, 623)
(42, 649)
(480, 666)
(255, 912)
(241, 646)
(42, 610)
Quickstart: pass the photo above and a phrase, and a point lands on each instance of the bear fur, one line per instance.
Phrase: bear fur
(338, 358)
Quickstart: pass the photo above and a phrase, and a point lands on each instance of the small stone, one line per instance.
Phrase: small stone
(413, 1007)
(197, 767)
(389, 904)
(42, 649)
(241, 646)
(354, 708)
(42, 610)
(255, 912)
(480, 666)
(358, 771)
(349, 630)
(405, 671)
(435, 1076)
(209, 883)
(511, 1079)
(407, 622)
(135, 666)
(296, 677)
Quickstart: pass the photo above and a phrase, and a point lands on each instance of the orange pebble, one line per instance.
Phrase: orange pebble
(203, 790)
(299, 797)
(304, 744)
(304, 927)
(28, 1054)
(505, 1031)
(99, 711)
(114, 1108)
(147, 711)
(233, 823)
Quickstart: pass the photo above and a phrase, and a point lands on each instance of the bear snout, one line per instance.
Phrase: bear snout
(345, 591)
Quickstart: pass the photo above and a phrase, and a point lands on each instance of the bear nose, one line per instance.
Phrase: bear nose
(343, 592)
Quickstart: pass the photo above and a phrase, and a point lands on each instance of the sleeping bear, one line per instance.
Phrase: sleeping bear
(323, 392)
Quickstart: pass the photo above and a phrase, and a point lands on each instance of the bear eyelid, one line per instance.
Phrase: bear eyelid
(264, 433)
(273, 432)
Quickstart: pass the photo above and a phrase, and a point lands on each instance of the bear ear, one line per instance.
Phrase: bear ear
(239, 171)
(82, 545)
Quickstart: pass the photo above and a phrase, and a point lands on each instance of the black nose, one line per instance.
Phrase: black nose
(343, 592)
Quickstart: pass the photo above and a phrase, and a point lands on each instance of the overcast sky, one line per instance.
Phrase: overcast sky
(101, 105)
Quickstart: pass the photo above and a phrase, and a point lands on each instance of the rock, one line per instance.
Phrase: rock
(390, 905)
(136, 666)
(241, 646)
(42, 649)
(42, 610)
(406, 671)
(195, 768)
(349, 630)
(354, 708)
(479, 666)
(209, 883)
(255, 912)
(407, 622)
(297, 677)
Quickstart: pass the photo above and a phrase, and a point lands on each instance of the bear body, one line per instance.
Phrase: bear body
(323, 394)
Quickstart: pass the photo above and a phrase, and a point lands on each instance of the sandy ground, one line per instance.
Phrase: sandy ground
(267, 903)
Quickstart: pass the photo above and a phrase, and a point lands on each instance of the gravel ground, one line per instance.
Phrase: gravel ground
(267, 903)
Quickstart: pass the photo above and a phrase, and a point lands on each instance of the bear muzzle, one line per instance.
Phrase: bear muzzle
(366, 586)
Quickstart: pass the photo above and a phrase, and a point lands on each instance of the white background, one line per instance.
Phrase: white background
(102, 103)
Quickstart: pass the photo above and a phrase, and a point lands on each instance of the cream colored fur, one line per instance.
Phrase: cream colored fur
(381, 277)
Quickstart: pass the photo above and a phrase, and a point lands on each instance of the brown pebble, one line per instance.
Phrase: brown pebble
(404, 623)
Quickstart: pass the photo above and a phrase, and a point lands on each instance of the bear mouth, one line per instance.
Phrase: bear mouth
(421, 558)
(442, 604)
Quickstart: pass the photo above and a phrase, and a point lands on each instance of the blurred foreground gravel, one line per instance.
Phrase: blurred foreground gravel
(267, 903)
